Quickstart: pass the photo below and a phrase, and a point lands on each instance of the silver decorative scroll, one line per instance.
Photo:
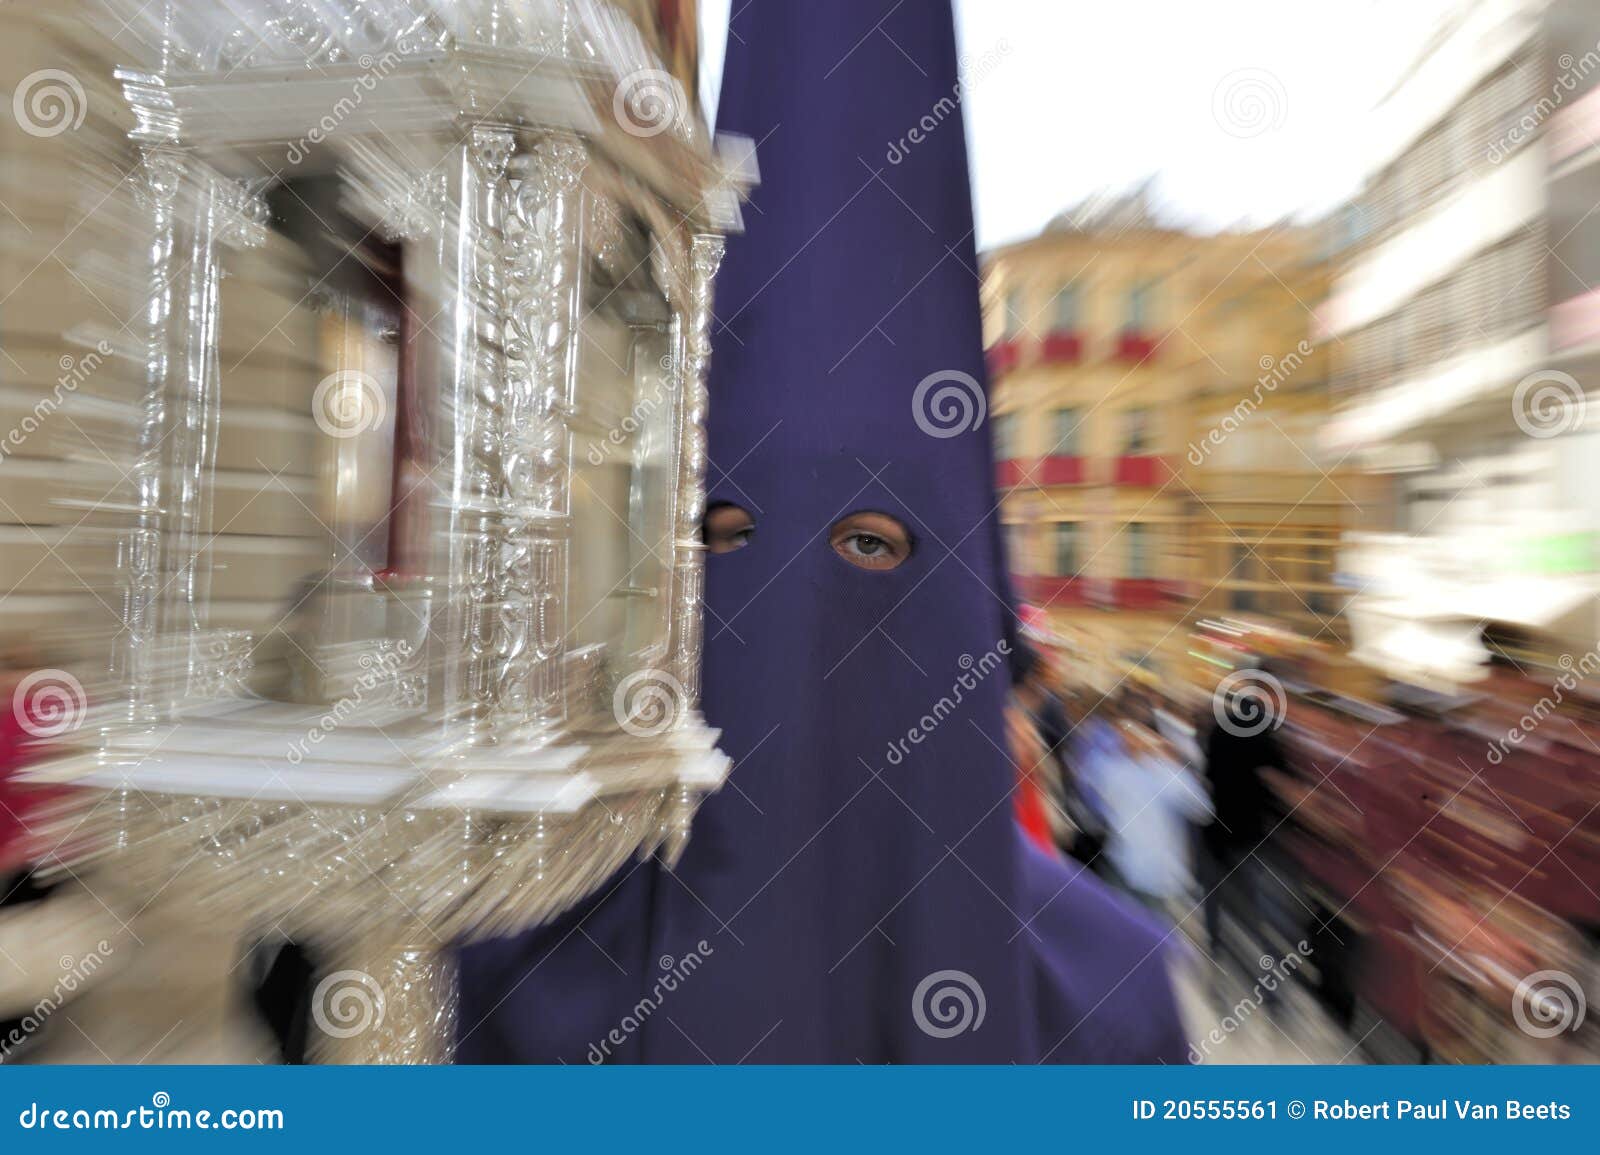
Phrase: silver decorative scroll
(475, 682)
(705, 255)
(543, 301)
(692, 332)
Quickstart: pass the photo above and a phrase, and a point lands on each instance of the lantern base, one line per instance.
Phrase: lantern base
(385, 1003)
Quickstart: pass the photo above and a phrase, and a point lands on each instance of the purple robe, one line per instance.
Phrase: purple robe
(859, 890)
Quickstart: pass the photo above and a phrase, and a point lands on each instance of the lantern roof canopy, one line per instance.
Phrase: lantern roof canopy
(257, 85)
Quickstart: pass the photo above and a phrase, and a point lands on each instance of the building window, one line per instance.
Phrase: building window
(1138, 310)
(1064, 310)
(1004, 427)
(1319, 571)
(1066, 548)
(1017, 547)
(1243, 600)
(1064, 433)
(1014, 320)
(1140, 564)
(1136, 432)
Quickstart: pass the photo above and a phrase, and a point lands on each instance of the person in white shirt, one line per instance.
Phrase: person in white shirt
(1151, 800)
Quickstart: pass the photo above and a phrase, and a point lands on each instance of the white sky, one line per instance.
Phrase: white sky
(1081, 95)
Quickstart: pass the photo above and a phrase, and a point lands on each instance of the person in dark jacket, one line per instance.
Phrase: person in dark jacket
(1247, 710)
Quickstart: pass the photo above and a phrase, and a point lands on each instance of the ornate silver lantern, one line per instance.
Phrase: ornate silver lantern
(411, 569)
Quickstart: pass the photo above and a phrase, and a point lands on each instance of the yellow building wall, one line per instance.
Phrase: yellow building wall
(1228, 312)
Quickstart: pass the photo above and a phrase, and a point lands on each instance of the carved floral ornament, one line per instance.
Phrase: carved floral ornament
(438, 50)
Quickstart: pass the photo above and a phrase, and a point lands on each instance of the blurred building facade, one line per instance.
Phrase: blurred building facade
(1268, 502)
(1573, 156)
(87, 401)
(1155, 404)
(69, 373)
(1451, 394)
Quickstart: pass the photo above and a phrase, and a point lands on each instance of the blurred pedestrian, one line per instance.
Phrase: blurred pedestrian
(1076, 829)
(1241, 743)
(1151, 802)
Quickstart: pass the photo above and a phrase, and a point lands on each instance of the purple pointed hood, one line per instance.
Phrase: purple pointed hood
(858, 891)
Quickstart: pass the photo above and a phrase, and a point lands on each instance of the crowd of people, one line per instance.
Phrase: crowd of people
(1426, 863)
